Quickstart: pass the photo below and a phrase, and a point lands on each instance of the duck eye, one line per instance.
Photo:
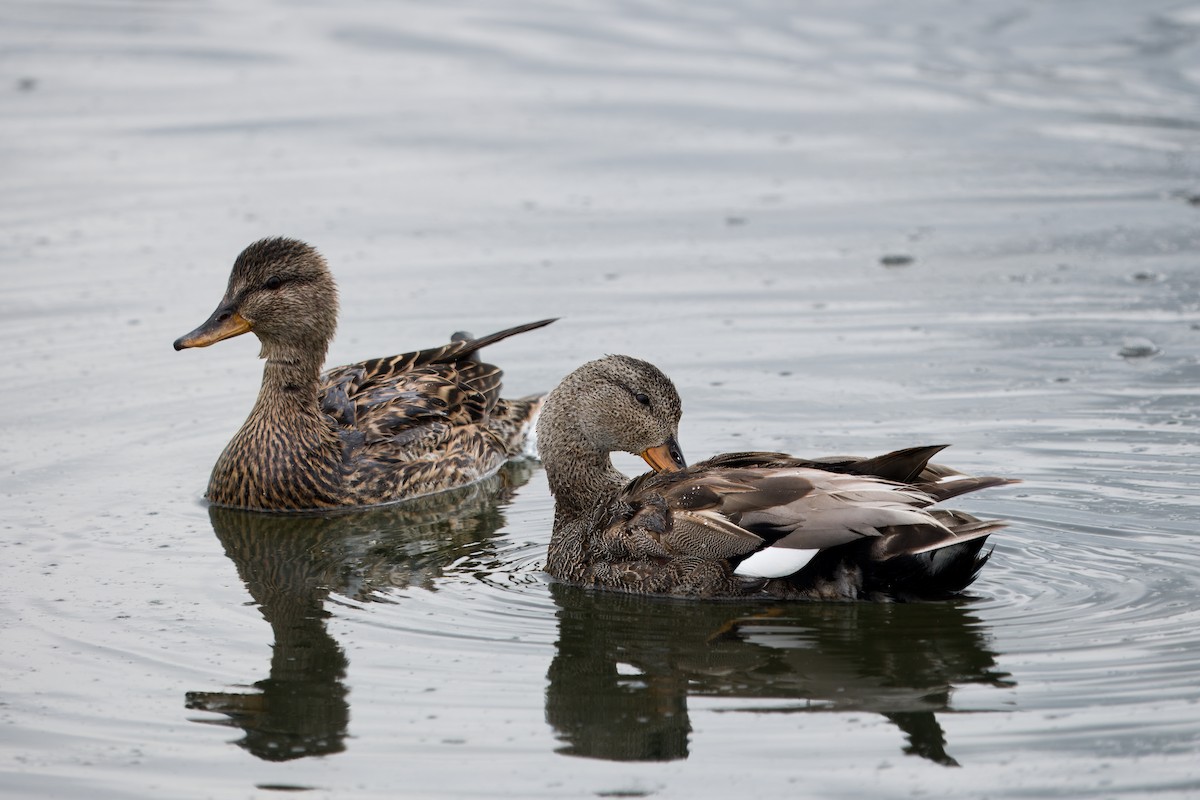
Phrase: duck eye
(274, 282)
(643, 399)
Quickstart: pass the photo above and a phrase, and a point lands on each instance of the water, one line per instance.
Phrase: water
(841, 227)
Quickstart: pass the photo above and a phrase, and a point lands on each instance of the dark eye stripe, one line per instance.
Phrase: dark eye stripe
(274, 282)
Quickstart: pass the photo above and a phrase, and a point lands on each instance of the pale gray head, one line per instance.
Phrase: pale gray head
(281, 290)
(616, 403)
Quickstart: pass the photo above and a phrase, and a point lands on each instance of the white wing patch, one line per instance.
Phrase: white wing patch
(774, 562)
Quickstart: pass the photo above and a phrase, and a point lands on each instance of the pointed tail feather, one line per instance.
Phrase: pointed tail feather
(954, 484)
(957, 527)
(473, 345)
(901, 466)
(980, 529)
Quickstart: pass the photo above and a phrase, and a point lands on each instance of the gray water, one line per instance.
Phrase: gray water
(840, 226)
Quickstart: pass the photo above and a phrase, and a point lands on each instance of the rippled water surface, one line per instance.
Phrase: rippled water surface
(841, 227)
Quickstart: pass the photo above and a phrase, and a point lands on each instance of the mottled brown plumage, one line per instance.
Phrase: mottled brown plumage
(374, 432)
(741, 524)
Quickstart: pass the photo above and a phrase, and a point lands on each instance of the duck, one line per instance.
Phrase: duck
(364, 434)
(747, 524)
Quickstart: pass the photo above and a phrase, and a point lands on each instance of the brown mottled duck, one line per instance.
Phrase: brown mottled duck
(369, 433)
(741, 524)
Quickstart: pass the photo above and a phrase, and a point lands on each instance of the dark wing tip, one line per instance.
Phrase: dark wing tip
(473, 345)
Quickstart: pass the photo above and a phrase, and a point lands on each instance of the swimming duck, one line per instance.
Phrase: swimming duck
(363, 434)
(741, 524)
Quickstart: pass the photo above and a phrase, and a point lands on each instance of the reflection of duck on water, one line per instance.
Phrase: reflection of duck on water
(625, 666)
(291, 564)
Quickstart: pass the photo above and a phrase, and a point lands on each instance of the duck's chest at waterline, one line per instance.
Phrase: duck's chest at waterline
(273, 467)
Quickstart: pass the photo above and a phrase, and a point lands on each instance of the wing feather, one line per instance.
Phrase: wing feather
(738, 504)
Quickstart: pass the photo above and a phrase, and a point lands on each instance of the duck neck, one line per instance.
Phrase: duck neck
(286, 435)
(288, 396)
(581, 479)
(288, 404)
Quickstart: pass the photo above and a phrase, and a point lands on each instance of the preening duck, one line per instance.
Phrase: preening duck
(374, 432)
(741, 524)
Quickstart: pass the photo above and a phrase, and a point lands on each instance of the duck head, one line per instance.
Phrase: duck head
(281, 290)
(617, 404)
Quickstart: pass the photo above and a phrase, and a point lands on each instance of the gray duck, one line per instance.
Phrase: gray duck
(374, 432)
(741, 524)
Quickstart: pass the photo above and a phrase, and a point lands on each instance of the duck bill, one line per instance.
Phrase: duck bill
(665, 457)
(224, 323)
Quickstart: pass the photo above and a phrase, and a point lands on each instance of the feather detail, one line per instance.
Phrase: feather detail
(378, 431)
(774, 562)
(742, 524)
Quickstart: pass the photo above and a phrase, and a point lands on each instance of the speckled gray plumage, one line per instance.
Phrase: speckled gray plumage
(684, 533)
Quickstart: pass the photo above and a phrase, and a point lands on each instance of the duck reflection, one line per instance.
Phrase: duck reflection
(625, 666)
(292, 564)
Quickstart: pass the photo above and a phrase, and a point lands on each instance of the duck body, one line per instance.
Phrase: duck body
(741, 524)
(369, 433)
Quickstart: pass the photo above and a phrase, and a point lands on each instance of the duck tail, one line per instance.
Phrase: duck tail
(471, 346)
(932, 575)
(912, 465)
(901, 466)
(928, 562)
(955, 483)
